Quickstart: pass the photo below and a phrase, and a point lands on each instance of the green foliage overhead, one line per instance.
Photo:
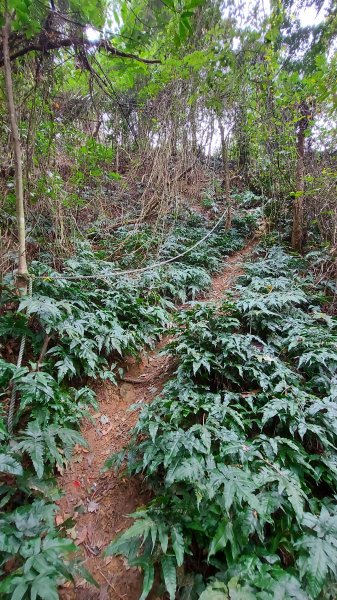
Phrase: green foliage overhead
(30, 15)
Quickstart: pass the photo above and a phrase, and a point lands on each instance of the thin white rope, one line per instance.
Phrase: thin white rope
(133, 271)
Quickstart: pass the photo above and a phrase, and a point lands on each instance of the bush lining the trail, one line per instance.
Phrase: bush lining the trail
(240, 447)
(88, 326)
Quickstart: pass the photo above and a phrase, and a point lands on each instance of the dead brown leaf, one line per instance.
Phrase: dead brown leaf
(59, 519)
(81, 536)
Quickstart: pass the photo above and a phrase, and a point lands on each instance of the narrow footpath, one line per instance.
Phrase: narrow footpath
(99, 503)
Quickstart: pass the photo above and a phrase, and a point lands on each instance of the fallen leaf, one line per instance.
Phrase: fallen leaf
(90, 458)
(72, 533)
(60, 469)
(79, 508)
(59, 519)
(81, 536)
(127, 392)
(79, 448)
(77, 458)
(93, 506)
(91, 533)
(104, 592)
(94, 550)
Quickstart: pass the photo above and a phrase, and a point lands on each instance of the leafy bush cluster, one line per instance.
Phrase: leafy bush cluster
(126, 244)
(240, 448)
(185, 229)
(30, 540)
(248, 199)
(210, 254)
(75, 329)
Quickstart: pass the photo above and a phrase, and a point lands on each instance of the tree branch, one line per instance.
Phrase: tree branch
(48, 42)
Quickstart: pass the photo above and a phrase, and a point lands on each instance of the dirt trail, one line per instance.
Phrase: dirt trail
(231, 271)
(99, 503)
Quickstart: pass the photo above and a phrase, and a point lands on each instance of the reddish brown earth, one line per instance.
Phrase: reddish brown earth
(99, 503)
(230, 273)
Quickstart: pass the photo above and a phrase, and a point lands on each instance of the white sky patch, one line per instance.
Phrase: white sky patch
(309, 16)
(92, 34)
(110, 27)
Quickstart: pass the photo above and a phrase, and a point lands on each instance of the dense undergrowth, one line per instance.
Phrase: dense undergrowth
(76, 330)
(240, 447)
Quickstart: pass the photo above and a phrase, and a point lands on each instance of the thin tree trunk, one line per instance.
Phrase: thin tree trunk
(243, 144)
(96, 131)
(225, 165)
(20, 212)
(297, 229)
(298, 207)
(193, 122)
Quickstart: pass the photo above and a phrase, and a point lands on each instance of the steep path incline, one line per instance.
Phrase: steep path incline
(99, 502)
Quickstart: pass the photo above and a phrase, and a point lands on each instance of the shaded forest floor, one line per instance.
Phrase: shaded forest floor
(99, 503)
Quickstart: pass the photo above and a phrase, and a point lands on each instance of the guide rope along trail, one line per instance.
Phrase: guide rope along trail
(131, 271)
(31, 277)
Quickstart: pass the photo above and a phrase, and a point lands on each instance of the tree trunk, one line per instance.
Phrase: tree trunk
(297, 230)
(298, 207)
(96, 130)
(225, 165)
(193, 123)
(20, 212)
(243, 144)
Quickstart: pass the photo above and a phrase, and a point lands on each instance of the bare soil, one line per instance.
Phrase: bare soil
(99, 503)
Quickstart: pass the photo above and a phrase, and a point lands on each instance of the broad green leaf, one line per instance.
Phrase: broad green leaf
(169, 575)
(44, 587)
(223, 535)
(178, 545)
(9, 465)
(215, 591)
(20, 591)
(147, 581)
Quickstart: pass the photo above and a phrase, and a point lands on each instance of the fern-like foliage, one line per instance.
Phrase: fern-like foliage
(43, 445)
(240, 447)
(80, 329)
(29, 536)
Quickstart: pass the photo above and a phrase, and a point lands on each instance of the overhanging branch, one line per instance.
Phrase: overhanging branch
(49, 41)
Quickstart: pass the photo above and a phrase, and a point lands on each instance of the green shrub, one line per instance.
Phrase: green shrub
(30, 539)
(240, 448)
(85, 326)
